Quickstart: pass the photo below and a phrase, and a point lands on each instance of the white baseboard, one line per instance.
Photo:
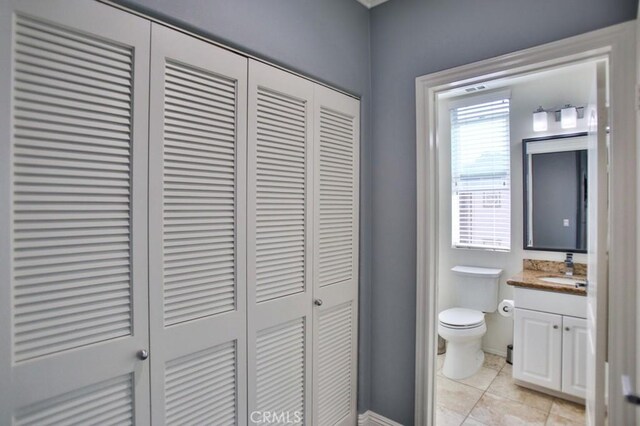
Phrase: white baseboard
(369, 418)
(499, 352)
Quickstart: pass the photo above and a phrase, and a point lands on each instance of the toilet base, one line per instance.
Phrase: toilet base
(463, 359)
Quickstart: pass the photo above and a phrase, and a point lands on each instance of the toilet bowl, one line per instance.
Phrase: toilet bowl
(463, 329)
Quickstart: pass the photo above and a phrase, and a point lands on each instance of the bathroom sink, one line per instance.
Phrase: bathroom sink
(562, 281)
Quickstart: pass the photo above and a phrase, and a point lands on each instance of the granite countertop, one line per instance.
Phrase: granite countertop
(530, 278)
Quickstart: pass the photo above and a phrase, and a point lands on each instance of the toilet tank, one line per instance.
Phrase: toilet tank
(477, 288)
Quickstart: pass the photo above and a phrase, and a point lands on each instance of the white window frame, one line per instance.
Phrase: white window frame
(456, 243)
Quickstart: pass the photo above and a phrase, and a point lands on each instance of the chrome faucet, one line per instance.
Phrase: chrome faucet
(568, 264)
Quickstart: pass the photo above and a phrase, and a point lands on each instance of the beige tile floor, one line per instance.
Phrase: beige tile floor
(491, 398)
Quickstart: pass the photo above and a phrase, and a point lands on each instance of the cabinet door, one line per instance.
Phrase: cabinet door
(197, 231)
(73, 189)
(537, 345)
(280, 202)
(336, 147)
(574, 356)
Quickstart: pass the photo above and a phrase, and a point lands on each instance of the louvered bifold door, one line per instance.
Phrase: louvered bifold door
(335, 248)
(73, 292)
(197, 234)
(279, 250)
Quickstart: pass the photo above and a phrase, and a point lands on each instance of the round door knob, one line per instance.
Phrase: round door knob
(555, 327)
(567, 328)
(143, 354)
(318, 302)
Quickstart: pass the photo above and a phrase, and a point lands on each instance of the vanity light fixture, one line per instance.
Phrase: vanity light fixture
(540, 120)
(568, 117)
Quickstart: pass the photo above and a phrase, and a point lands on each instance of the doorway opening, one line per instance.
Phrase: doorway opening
(512, 198)
(472, 188)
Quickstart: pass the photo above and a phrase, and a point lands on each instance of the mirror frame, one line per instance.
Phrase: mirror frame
(525, 190)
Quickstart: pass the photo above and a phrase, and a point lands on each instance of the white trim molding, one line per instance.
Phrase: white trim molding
(616, 45)
(371, 3)
(369, 418)
(208, 39)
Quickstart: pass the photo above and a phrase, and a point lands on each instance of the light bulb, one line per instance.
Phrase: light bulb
(540, 120)
(568, 117)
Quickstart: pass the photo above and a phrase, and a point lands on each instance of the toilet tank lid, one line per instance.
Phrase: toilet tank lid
(475, 271)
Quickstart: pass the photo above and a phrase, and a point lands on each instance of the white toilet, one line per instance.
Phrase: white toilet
(463, 326)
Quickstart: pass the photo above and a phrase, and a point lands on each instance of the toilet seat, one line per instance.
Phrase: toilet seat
(463, 329)
(461, 318)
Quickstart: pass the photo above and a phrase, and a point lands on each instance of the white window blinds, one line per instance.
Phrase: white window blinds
(480, 175)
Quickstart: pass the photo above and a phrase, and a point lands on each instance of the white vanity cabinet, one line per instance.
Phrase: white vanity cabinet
(574, 356)
(537, 344)
(550, 341)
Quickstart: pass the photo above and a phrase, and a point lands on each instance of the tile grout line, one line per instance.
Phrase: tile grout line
(548, 413)
(486, 390)
(483, 393)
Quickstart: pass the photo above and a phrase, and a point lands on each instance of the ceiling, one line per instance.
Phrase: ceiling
(371, 3)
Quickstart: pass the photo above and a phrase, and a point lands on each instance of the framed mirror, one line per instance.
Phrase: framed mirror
(555, 193)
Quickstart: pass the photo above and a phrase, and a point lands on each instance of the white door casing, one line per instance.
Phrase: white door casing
(618, 44)
(197, 231)
(537, 345)
(74, 296)
(279, 272)
(597, 272)
(336, 154)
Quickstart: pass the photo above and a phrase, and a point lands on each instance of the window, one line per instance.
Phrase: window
(480, 175)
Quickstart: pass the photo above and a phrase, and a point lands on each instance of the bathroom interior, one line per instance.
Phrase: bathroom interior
(520, 238)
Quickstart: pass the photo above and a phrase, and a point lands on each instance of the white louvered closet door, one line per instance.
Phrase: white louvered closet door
(335, 248)
(73, 292)
(279, 244)
(197, 230)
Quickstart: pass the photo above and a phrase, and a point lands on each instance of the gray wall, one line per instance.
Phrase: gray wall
(325, 39)
(331, 40)
(410, 38)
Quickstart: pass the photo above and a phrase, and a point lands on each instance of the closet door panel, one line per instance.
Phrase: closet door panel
(279, 237)
(74, 296)
(197, 231)
(336, 168)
